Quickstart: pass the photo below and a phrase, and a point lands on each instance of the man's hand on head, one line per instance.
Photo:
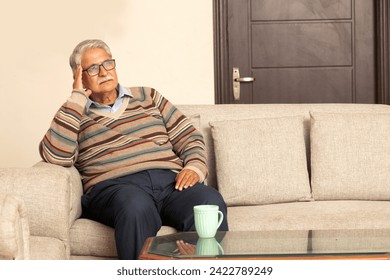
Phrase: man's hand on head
(78, 81)
(186, 179)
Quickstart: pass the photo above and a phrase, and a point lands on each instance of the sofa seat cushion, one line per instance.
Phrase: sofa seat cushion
(90, 238)
(261, 161)
(337, 214)
(47, 248)
(350, 156)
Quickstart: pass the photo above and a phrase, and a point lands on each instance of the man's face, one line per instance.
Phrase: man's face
(105, 81)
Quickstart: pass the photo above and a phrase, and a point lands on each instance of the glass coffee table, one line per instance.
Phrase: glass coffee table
(283, 244)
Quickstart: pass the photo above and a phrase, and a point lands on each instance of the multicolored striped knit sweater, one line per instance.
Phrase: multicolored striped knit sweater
(147, 132)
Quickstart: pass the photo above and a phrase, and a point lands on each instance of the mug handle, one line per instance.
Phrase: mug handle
(220, 249)
(220, 214)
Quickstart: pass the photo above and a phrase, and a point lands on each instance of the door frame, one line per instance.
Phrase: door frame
(221, 53)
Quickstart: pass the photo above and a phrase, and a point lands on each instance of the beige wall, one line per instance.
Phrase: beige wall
(163, 44)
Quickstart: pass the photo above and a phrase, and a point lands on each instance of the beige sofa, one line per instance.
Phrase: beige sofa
(298, 166)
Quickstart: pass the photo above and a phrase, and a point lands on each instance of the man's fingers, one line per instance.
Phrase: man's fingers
(185, 179)
(185, 248)
(78, 80)
(179, 181)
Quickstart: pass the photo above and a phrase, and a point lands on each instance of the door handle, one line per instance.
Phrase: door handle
(236, 82)
(245, 80)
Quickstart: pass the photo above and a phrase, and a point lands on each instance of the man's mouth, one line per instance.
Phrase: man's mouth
(102, 81)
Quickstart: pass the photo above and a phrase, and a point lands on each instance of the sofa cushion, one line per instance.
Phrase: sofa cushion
(350, 156)
(222, 112)
(314, 215)
(261, 161)
(90, 238)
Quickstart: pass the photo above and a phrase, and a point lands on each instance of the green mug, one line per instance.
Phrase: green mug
(208, 218)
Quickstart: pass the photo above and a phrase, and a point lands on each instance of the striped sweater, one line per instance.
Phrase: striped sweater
(147, 132)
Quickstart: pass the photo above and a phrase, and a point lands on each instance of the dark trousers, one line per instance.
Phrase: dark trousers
(137, 205)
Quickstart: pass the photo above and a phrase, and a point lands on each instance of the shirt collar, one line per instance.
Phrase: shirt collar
(122, 92)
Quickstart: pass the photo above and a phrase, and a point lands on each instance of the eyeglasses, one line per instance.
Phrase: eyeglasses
(94, 70)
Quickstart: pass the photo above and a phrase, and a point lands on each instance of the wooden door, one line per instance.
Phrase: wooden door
(301, 51)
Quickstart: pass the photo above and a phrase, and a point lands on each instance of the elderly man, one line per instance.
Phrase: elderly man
(141, 161)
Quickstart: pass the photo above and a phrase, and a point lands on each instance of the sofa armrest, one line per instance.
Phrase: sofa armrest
(14, 228)
(75, 187)
(52, 197)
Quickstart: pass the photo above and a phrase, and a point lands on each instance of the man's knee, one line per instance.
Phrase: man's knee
(215, 198)
(212, 196)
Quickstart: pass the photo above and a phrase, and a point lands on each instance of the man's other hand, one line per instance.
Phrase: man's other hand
(186, 178)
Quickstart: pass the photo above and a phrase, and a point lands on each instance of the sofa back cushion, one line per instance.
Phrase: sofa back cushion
(261, 161)
(350, 155)
(210, 113)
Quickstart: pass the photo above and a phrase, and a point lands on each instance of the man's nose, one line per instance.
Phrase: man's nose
(102, 71)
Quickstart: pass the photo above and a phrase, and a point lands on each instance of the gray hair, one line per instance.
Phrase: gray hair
(75, 57)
